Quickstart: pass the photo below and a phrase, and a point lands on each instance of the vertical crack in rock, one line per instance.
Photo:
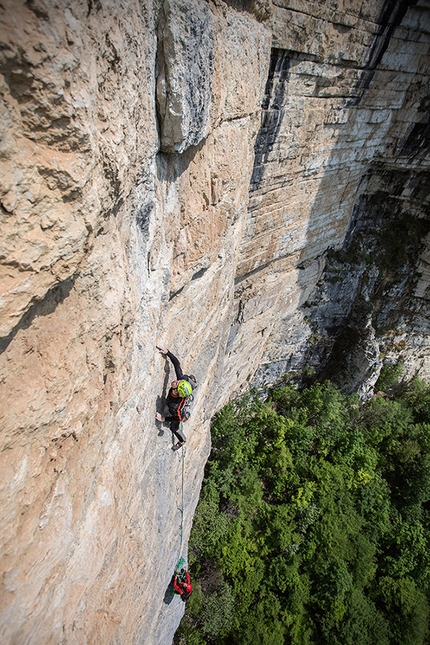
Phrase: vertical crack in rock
(273, 112)
(143, 217)
(392, 14)
(184, 73)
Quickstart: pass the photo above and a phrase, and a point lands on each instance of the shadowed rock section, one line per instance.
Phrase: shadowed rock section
(272, 112)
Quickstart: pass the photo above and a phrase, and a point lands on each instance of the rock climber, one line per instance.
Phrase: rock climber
(182, 584)
(180, 390)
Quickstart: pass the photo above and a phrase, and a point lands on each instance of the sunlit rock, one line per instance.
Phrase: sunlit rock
(245, 183)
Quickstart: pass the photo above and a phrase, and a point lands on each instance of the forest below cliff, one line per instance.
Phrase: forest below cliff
(313, 521)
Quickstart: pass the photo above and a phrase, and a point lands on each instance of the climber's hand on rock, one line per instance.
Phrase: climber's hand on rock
(163, 350)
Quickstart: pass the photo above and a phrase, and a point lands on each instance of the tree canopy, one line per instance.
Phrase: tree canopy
(313, 522)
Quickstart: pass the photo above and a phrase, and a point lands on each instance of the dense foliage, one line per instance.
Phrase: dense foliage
(313, 522)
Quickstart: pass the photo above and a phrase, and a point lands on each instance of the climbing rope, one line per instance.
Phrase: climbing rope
(181, 530)
(181, 576)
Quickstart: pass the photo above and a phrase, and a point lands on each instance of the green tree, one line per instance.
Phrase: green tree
(313, 522)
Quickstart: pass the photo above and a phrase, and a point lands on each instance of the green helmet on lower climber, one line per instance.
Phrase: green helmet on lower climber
(184, 389)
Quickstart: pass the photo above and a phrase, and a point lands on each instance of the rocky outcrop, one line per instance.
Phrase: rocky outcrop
(242, 182)
(184, 75)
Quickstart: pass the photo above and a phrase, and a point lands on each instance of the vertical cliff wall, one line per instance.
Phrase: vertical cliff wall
(219, 177)
(343, 147)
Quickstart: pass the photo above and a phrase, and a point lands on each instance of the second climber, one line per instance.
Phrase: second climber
(182, 584)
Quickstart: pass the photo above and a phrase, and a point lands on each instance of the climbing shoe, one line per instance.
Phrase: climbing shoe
(178, 445)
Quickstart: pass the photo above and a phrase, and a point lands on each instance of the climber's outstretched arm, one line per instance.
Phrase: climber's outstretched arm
(175, 361)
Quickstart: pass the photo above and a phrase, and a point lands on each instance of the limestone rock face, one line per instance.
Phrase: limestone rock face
(108, 247)
(185, 72)
(334, 127)
(244, 183)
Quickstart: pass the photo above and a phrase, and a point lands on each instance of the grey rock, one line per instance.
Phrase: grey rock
(185, 73)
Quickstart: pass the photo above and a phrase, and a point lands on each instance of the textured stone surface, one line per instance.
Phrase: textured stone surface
(219, 229)
(109, 248)
(353, 94)
(185, 71)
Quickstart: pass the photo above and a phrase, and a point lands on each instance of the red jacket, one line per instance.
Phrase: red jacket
(183, 588)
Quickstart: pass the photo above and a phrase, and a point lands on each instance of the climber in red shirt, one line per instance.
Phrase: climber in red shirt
(182, 584)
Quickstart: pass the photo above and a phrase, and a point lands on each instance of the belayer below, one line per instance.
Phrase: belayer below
(182, 584)
(179, 394)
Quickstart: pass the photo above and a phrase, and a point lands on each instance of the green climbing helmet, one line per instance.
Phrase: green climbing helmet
(184, 389)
